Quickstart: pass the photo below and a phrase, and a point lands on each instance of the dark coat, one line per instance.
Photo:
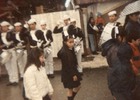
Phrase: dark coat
(68, 71)
(78, 33)
(90, 30)
(109, 51)
(122, 75)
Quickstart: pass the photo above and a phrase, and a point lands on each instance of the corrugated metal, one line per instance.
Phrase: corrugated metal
(51, 19)
(83, 2)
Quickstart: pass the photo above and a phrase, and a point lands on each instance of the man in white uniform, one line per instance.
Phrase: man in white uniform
(21, 42)
(106, 34)
(48, 49)
(8, 53)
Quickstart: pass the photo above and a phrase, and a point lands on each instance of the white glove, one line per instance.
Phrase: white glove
(39, 43)
(59, 22)
(77, 49)
(19, 44)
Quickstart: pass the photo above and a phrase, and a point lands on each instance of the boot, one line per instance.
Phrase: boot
(74, 94)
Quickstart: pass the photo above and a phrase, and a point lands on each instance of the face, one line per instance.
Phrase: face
(134, 17)
(32, 26)
(92, 20)
(70, 43)
(41, 58)
(99, 16)
(66, 22)
(4, 28)
(73, 23)
(43, 26)
(137, 42)
(18, 28)
(112, 18)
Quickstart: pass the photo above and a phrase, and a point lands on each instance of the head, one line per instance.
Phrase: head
(91, 20)
(73, 22)
(69, 41)
(35, 56)
(134, 16)
(134, 38)
(113, 18)
(32, 26)
(5, 28)
(43, 26)
(66, 21)
(18, 28)
(99, 15)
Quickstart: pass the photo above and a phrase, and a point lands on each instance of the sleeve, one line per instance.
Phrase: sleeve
(56, 30)
(50, 87)
(30, 85)
(65, 64)
(50, 36)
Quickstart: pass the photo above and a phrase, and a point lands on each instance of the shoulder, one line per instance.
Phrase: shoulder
(39, 31)
(32, 68)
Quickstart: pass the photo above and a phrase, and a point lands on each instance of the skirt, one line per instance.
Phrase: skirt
(72, 84)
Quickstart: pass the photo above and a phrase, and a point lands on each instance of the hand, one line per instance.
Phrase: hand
(19, 44)
(75, 78)
(51, 96)
(57, 25)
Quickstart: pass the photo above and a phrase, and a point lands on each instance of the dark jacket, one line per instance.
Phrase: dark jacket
(122, 75)
(109, 51)
(78, 33)
(90, 30)
(68, 71)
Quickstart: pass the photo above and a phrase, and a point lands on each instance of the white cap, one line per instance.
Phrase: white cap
(73, 20)
(66, 17)
(31, 21)
(4, 23)
(112, 13)
(42, 22)
(17, 24)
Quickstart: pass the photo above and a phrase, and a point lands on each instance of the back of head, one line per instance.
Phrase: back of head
(133, 35)
(33, 57)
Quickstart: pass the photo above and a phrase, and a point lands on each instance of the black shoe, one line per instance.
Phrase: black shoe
(51, 76)
(81, 74)
(15, 83)
(21, 79)
(9, 84)
(95, 53)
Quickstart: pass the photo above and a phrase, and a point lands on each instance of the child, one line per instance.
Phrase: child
(70, 75)
(99, 22)
(122, 81)
(36, 83)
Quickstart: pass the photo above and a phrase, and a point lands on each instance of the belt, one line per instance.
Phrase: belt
(21, 47)
(33, 46)
(8, 49)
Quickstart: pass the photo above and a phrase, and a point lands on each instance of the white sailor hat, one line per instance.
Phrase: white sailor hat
(42, 22)
(73, 20)
(112, 13)
(17, 24)
(5, 23)
(31, 21)
(66, 17)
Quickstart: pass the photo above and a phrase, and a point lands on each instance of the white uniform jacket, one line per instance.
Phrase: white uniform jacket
(36, 83)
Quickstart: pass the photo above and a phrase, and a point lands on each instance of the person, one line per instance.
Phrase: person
(106, 34)
(48, 49)
(36, 83)
(57, 29)
(92, 29)
(99, 22)
(36, 37)
(70, 75)
(8, 53)
(77, 45)
(110, 48)
(123, 77)
(20, 40)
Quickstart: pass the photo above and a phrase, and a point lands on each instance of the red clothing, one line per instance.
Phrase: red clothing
(99, 20)
(136, 58)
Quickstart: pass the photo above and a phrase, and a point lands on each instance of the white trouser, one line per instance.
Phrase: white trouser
(11, 67)
(48, 61)
(22, 62)
(79, 61)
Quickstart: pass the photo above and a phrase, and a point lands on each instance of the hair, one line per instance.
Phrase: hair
(115, 15)
(89, 21)
(128, 18)
(133, 35)
(33, 58)
(68, 53)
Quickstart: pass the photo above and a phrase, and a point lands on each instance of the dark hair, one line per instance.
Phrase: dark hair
(89, 21)
(127, 18)
(33, 58)
(133, 35)
(68, 53)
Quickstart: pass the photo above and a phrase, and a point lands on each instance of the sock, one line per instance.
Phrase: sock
(74, 94)
(70, 98)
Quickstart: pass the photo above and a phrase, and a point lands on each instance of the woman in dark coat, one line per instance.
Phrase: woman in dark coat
(70, 76)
